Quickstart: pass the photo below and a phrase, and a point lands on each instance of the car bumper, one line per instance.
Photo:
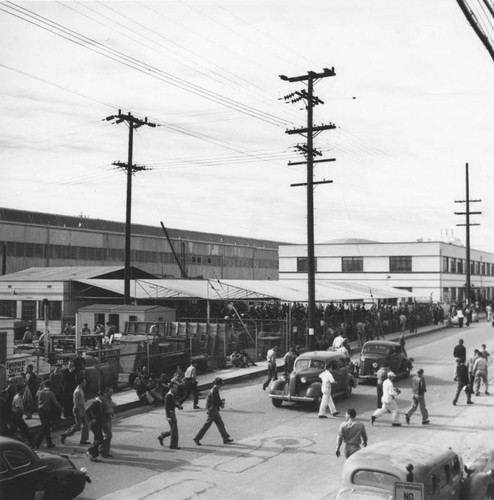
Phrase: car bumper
(294, 399)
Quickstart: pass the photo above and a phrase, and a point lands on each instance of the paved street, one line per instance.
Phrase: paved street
(286, 452)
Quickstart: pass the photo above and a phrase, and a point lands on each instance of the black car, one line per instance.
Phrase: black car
(375, 353)
(23, 472)
(304, 385)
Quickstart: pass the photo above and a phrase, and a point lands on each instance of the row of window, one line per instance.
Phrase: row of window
(9, 308)
(453, 294)
(459, 266)
(69, 252)
(398, 264)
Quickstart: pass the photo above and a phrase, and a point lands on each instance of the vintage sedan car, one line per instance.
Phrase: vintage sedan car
(377, 352)
(24, 472)
(303, 385)
(372, 473)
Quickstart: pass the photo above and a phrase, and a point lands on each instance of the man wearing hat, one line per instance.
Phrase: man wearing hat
(388, 400)
(213, 405)
(461, 376)
(418, 397)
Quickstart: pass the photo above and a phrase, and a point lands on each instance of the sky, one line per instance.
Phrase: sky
(412, 101)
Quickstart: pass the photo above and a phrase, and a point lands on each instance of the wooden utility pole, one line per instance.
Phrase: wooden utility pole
(132, 123)
(310, 153)
(467, 224)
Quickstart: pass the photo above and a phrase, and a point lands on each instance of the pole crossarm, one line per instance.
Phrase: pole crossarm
(290, 163)
(134, 168)
(130, 119)
(316, 128)
(311, 75)
(313, 183)
(304, 148)
(465, 213)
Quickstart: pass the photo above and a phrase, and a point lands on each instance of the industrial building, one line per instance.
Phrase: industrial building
(33, 239)
(432, 270)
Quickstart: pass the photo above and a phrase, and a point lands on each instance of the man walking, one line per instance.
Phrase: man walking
(352, 433)
(418, 397)
(480, 372)
(326, 400)
(388, 400)
(191, 384)
(460, 352)
(79, 410)
(272, 372)
(382, 375)
(170, 404)
(213, 405)
(18, 412)
(95, 416)
(47, 407)
(107, 427)
(290, 358)
(461, 376)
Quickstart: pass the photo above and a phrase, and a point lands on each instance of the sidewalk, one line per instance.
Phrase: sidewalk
(127, 399)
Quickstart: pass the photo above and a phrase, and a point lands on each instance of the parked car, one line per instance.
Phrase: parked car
(377, 352)
(24, 472)
(371, 473)
(303, 385)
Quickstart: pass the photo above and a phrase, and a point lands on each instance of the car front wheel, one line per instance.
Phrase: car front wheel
(277, 402)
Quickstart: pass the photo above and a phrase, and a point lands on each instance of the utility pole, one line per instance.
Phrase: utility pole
(308, 150)
(129, 168)
(467, 224)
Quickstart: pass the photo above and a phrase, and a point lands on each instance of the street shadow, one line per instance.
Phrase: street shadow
(133, 428)
(231, 410)
(134, 448)
(158, 465)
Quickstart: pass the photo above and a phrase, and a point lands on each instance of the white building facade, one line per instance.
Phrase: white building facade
(431, 270)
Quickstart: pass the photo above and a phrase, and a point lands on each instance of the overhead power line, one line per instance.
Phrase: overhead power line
(118, 56)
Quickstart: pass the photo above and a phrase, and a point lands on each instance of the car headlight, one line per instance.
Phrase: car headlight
(375, 365)
(83, 470)
(303, 380)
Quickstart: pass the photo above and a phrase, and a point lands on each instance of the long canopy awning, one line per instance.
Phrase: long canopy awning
(224, 289)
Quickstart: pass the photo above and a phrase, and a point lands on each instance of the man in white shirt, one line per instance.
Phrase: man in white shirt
(190, 380)
(338, 342)
(480, 372)
(326, 400)
(272, 372)
(388, 400)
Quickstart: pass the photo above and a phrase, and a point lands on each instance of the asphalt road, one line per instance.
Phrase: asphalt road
(287, 452)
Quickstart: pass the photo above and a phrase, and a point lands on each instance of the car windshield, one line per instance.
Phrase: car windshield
(374, 478)
(303, 364)
(376, 349)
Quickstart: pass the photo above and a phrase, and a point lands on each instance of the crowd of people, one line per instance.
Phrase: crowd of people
(61, 395)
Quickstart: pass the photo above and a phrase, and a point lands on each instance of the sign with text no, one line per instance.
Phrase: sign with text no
(409, 491)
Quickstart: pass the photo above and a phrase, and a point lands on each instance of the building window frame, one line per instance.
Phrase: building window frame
(303, 264)
(400, 264)
(352, 264)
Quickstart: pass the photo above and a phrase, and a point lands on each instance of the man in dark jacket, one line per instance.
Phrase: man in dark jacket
(95, 416)
(460, 352)
(213, 405)
(170, 404)
(461, 376)
(48, 407)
